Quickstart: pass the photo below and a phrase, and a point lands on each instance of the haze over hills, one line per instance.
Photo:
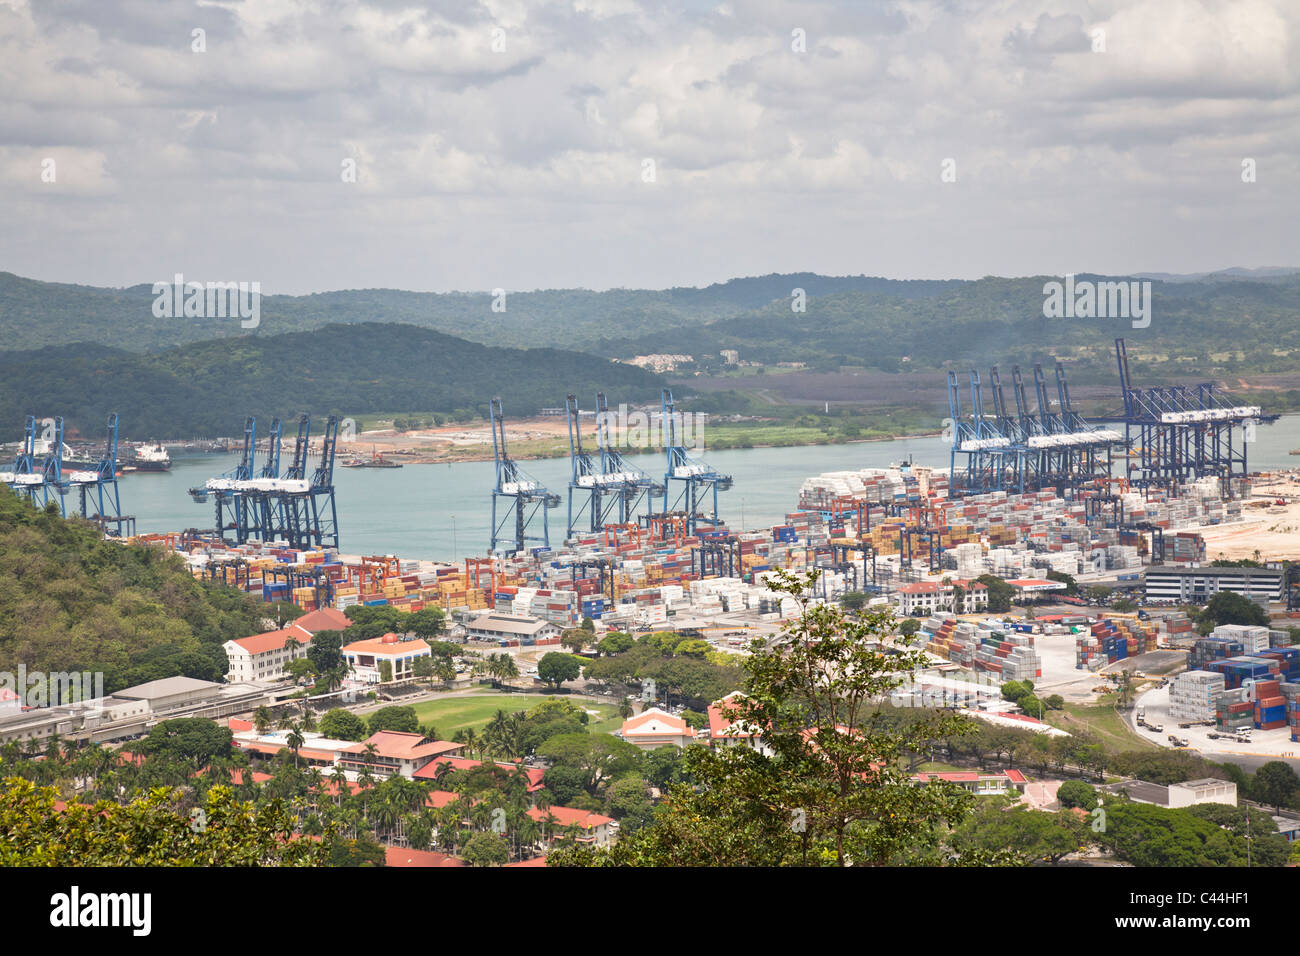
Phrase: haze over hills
(206, 388)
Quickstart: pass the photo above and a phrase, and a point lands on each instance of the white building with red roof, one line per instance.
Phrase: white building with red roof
(726, 732)
(265, 656)
(366, 658)
(590, 829)
(654, 728)
(390, 752)
(981, 784)
(927, 597)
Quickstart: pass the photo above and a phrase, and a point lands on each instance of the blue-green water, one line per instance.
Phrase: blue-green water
(443, 511)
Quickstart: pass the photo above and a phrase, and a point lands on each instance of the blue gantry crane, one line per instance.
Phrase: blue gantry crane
(604, 490)
(263, 500)
(316, 521)
(519, 499)
(301, 511)
(97, 488)
(1179, 433)
(635, 489)
(696, 478)
(1030, 450)
(23, 475)
(231, 491)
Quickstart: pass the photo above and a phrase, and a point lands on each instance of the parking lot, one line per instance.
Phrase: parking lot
(1264, 743)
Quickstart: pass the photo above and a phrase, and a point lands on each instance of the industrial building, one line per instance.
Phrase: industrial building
(1184, 585)
(132, 711)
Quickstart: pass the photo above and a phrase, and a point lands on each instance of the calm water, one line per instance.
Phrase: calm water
(444, 511)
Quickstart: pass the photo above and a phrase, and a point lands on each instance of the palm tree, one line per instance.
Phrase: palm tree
(295, 740)
(625, 708)
(262, 719)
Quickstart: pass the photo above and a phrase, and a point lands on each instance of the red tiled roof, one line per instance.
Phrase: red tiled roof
(568, 816)
(383, 647)
(720, 726)
(397, 856)
(637, 726)
(273, 640)
(430, 770)
(237, 725)
(535, 861)
(440, 798)
(402, 746)
(326, 619)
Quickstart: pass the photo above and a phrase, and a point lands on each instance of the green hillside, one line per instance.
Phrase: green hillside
(206, 389)
(1238, 326)
(70, 601)
(35, 314)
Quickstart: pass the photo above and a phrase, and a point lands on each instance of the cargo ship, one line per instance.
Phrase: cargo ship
(150, 458)
(375, 460)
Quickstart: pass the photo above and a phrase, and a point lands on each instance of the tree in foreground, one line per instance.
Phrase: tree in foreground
(830, 784)
(153, 830)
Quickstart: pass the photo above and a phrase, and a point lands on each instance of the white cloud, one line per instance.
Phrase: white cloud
(522, 167)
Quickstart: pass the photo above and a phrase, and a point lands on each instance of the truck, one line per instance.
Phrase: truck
(1178, 741)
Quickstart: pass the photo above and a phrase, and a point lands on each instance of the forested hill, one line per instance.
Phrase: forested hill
(35, 314)
(71, 601)
(1239, 321)
(1235, 326)
(207, 388)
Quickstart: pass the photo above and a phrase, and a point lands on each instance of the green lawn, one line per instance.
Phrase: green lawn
(1102, 722)
(452, 714)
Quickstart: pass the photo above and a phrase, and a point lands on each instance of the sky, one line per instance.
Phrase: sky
(530, 144)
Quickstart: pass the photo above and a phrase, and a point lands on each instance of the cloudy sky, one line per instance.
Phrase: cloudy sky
(530, 144)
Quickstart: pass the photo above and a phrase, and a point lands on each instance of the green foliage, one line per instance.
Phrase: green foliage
(853, 600)
(1165, 766)
(71, 601)
(403, 719)
(615, 642)
(909, 626)
(1071, 585)
(1276, 784)
(1146, 835)
(599, 757)
(1076, 793)
(195, 741)
(555, 668)
(1016, 834)
(833, 787)
(349, 367)
(486, 849)
(363, 850)
(153, 830)
(1001, 594)
(1229, 608)
(324, 652)
(341, 724)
